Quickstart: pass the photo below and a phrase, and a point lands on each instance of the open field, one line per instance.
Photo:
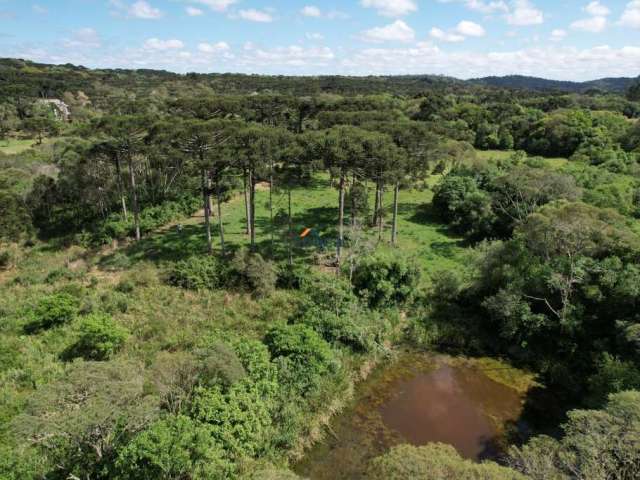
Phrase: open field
(314, 207)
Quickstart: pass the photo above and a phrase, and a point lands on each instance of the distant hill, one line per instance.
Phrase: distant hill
(617, 85)
(23, 78)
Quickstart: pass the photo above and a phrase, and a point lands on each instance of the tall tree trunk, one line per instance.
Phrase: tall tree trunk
(340, 219)
(134, 199)
(121, 189)
(376, 207)
(290, 230)
(246, 202)
(394, 227)
(380, 215)
(353, 201)
(207, 213)
(271, 203)
(252, 209)
(220, 224)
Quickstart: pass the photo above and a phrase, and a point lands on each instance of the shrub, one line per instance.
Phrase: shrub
(355, 330)
(595, 444)
(53, 310)
(174, 447)
(220, 364)
(292, 276)
(434, 461)
(304, 357)
(198, 272)
(117, 261)
(100, 338)
(62, 273)
(6, 259)
(254, 272)
(386, 281)
(125, 286)
(329, 293)
(114, 302)
(459, 201)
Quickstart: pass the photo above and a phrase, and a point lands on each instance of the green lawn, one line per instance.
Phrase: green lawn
(14, 146)
(314, 207)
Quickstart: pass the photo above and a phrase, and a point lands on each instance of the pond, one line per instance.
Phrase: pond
(418, 399)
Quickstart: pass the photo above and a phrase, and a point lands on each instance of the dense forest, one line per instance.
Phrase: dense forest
(196, 271)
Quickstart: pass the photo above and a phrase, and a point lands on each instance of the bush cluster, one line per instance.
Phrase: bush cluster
(53, 310)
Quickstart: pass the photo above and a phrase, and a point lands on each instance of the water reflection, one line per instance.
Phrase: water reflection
(418, 399)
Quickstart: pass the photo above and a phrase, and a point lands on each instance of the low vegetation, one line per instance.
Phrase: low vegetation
(191, 280)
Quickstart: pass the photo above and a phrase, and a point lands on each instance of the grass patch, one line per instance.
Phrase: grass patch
(14, 146)
(315, 207)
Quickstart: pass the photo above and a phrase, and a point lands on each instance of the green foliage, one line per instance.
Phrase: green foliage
(596, 444)
(434, 461)
(100, 338)
(254, 272)
(386, 281)
(51, 311)
(6, 259)
(613, 375)
(303, 353)
(459, 200)
(198, 272)
(15, 221)
(77, 422)
(173, 448)
(151, 218)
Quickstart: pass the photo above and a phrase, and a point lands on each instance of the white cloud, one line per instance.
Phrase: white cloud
(39, 9)
(254, 15)
(391, 8)
(314, 36)
(470, 29)
(194, 12)
(558, 34)
(83, 38)
(596, 9)
(216, 5)
(631, 15)
(464, 29)
(210, 48)
(337, 15)
(597, 22)
(591, 24)
(397, 31)
(294, 56)
(157, 44)
(557, 62)
(487, 7)
(524, 13)
(311, 11)
(142, 9)
(443, 36)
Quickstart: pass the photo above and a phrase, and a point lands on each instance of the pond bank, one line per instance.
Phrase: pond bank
(420, 398)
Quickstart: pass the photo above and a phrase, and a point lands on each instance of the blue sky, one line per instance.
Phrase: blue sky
(565, 39)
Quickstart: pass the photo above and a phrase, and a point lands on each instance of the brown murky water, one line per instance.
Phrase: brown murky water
(417, 399)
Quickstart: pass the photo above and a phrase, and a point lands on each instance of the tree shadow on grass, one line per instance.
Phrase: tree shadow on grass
(172, 245)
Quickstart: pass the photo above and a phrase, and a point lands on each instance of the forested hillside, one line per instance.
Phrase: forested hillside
(197, 271)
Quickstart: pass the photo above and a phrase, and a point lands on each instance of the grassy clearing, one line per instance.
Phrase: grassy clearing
(14, 146)
(315, 207)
